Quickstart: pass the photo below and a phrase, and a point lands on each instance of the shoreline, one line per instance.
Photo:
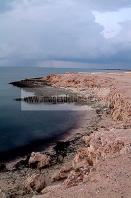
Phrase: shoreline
(39, 145)
(89, 148)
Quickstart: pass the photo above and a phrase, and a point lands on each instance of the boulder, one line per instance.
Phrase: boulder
(82, 159)
(62, 173)
(39, 160)
(35, 183)
(86, 139)
(73, 179)
(50, 189)
(77, 176)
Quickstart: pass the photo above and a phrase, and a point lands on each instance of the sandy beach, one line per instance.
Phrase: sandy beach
(96, 156)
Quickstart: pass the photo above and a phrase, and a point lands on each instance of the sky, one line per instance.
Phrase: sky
(53, 32)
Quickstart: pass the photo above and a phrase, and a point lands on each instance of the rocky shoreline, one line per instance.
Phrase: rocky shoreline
(22, 172)
(88, 162)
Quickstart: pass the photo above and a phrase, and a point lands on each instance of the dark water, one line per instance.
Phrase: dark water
(19, 129)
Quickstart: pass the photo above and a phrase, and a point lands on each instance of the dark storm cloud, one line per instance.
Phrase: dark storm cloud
(32, 31)
(6, 5)
(106, 5)
(102, 5)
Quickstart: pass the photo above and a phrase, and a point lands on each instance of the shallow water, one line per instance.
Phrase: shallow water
(20, 128)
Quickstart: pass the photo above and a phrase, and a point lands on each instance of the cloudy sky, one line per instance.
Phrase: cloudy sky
(35, 32)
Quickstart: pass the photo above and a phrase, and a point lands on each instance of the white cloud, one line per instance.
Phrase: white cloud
(111, 21)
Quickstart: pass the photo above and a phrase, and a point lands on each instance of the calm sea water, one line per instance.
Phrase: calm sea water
(21, 128)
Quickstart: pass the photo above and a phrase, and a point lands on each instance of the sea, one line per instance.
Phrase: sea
(22, 131)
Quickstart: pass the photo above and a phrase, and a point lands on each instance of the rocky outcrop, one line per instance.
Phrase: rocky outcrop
(105, 87)
(82, 159)
(77, 176)
(100, 146)
(119, 106)
(39, 160)
(106, 143)
(34, 183)
(76, 80)
(62, 173)
(29, 83)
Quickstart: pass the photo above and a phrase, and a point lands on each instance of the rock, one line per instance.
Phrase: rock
(52, 188)
(35, 183)
(112, 148)
(18, 164)
(99, 111)
(73, 179)
(119, 106)
(39, 160)
(80, 164)
(70, 176)
(76, 176)
(102, 144)
(82, 159)
(3, 195)
(126, 150)
(29, 83)
(86, 139)
(62, 173)
(61, 149)
(56, 176)
(22, 163)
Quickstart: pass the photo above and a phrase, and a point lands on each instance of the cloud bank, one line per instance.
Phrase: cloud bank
(34, 31)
